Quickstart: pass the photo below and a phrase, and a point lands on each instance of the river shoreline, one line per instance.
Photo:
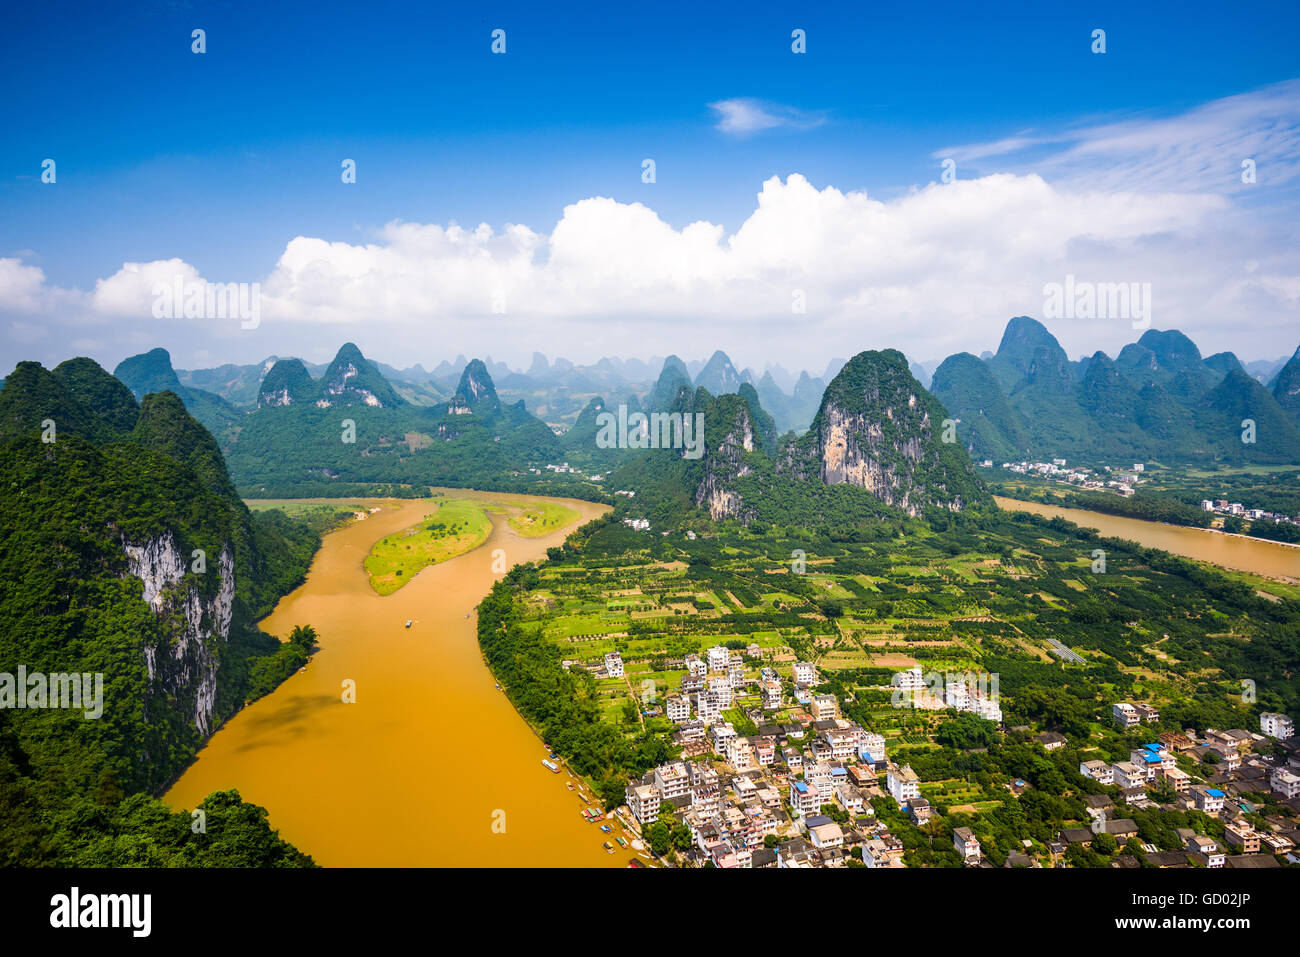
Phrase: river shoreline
(430, 765)
(1279, 561)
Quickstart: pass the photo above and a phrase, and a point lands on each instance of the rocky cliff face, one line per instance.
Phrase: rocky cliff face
(352, 379)
(724, 462)
(187, 666)
(877, 429)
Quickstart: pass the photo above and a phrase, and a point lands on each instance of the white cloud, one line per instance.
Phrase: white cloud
(1201, 149)
(938, 269)
(742, 116)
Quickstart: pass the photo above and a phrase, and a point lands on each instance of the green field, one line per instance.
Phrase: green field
(457, 526)
(541, 518)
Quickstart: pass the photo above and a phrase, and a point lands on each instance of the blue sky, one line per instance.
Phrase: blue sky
(221, 160)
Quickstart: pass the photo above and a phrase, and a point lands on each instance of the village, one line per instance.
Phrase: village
(803, 791)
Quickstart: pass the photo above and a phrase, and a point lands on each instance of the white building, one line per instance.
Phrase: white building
(1276, 725)
(909, 680)
(719, 657)
(1125, 715)
(1129, 775)
(804, 673)
(678, 709)
(614, 664)
(720, 685)
(966, 844)
(903, 783)
(672, 780)
(1099, 771)
(1285, 783)
(643, 802)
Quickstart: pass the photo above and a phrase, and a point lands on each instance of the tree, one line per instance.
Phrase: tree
(303, 636)
(660, 838)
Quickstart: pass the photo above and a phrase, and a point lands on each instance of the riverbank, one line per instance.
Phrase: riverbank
(1269, 559)
(429, 764)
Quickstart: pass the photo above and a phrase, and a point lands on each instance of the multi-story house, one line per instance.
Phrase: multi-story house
(805, 799)
(955, 693)
(1243, 834)
(825, 707)
(672, 780)
(1276, 725)
(1099, 771)
(719, 658)
(696, 666)
(986, 708)
(882, 850)
(677, 708)
(720, 685)
(1208, 800)
(910, 680)
(793, 760)
(643, 802)
(692, 731)
(804, 673)
(825, 836)
(966, 844)
(1207, 850)
(850, 798)
(722, 735)
(705, 801)
(764, 751)
(903, 783)
(708, 705)
(771, 690)
(1177, 779)
(1148, 713)
(1148, 759)
(1129, 775)
(871, 747)
(614, 664)
(1285, 782)
(1125, 715)
(843, 743)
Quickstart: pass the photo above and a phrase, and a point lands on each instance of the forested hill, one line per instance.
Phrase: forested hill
(876, 450)
(327, 436)
(125, 552)
(1158, 400)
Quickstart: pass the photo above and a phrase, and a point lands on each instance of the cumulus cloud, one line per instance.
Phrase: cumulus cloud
(813, 271)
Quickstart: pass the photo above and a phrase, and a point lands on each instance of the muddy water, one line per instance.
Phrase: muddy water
(430, 756)
(1270, 559)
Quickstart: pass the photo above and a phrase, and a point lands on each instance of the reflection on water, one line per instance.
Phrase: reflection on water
(1271, 559)
(414, 771)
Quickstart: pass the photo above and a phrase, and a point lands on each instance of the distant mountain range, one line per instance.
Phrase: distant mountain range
(1157, 400)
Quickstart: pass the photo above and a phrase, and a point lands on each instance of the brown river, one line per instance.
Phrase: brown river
(431, 766)
(1270, 559)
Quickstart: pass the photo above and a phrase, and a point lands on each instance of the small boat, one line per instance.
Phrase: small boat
(605, 828)
(569, 785)
(621, 843)
(497, 686)
(408, 623)
(551, 766)
(635, 865)
(608, 847)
